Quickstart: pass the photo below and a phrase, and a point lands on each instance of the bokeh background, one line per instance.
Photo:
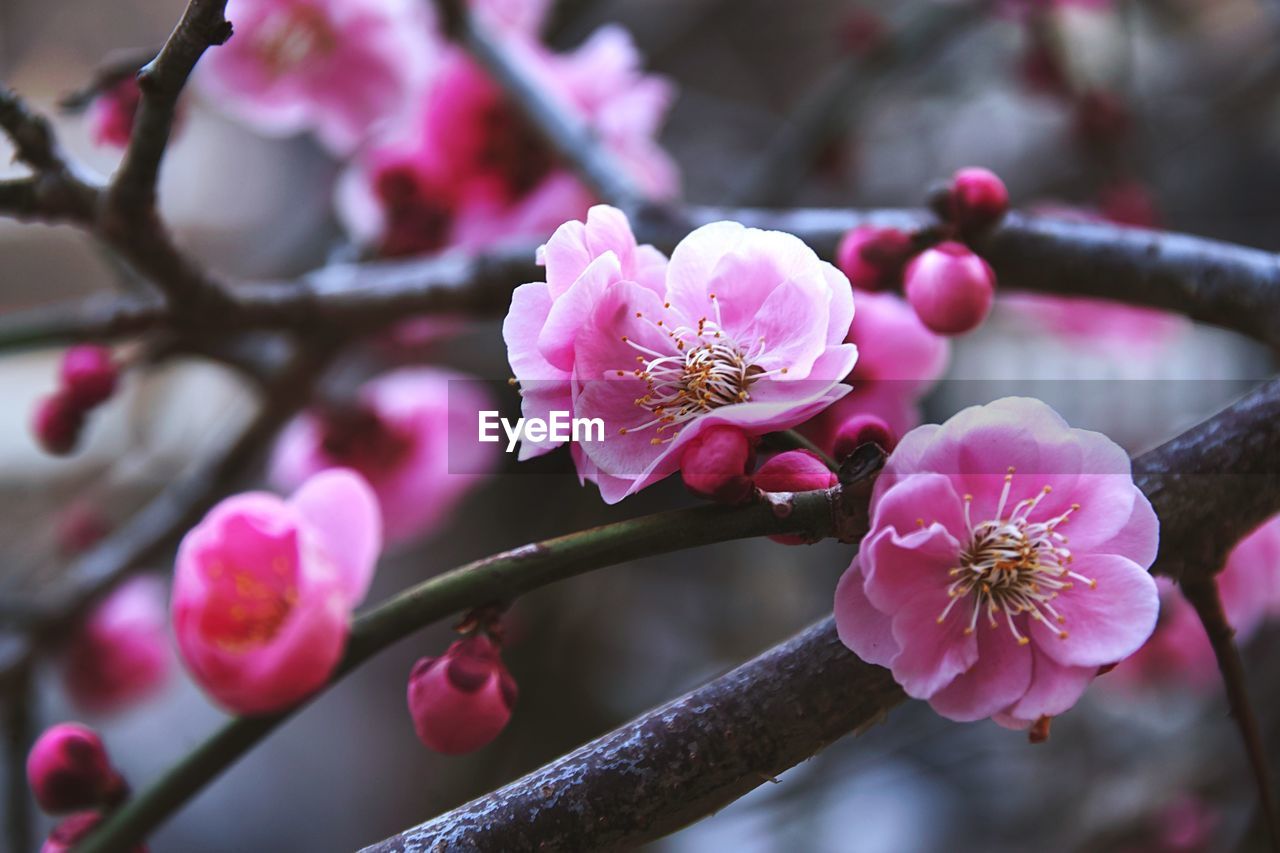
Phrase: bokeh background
(1129, 769)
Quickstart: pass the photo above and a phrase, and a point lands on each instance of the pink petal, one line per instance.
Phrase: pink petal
(1054, 688)
(920, 500)
(1103, 624)
(863, 628)
(343, 512)
(999, 678)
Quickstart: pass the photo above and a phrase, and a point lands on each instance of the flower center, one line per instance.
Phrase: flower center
(359, 438)
(246, 607)
(1014, 566)
(417, 219)
(285, 41)
(707, 369)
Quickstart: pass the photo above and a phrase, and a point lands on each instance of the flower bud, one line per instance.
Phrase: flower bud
(121, 654)
(862, 429)
(89, 375)
(73, 829)
(950, 288)
(462, 700)
(794, 471)
(979, 199)
(714, 465)
(873, 258)
(112, 111)
(57, 423)
(68, 770)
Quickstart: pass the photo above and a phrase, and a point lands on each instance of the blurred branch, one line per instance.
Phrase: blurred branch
(1211, 281)
(572, 137)
(679, 762)
(1205, 598)
(832, 105)
(501, 578)
(19, 723)
(631, 786)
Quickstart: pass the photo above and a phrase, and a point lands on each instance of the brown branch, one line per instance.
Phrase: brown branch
(1205, 598)
(572, 137)
(16, 694)
(625, 788)
(677, 763)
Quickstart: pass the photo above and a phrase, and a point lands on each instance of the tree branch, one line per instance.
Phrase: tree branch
(572, 137)
(613, 793)
(679, 762)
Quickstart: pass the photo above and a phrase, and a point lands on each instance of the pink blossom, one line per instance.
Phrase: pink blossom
(966, 587)
(111, 113)
(337, 68)
(463, 699)
(748, 331)
(1179, 651)
(470, 171)
(715, 465)
(264, 588)
(89, 374)
(411, 435)
(68, 769)
(121, 653)
(57, 422)
(542, 327)
(899, 361)
(978, 199)
(950, 287)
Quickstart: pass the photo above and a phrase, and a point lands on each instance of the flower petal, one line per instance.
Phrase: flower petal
(344, 516)
(863, 628)
(1104, 623)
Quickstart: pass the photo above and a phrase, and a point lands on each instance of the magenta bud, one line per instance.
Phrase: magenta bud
(979, 198)
(873, 258)
(863, 429)
(950, 288)
(68, 770)
(461, 700)
(112, 111)
(714, 465)
(57, 423)
(73, 829)
(794, 471)
(89, 375)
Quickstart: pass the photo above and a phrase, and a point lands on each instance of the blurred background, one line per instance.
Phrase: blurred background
(1170, 115)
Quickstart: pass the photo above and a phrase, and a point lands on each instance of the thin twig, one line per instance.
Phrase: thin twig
(1203, 595)
(19, 722)
(570, 135)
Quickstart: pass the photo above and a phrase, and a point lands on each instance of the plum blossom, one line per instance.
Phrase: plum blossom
(463, 699)
(264, 588)
(68, 769)
(966, 586)
(337, 68)
(411, 435)
(121, 653)
(746, 329)
(469, 170)
(1179, 651)
(899, 361)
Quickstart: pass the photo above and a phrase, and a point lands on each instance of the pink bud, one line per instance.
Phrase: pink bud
(862, 429)
(111, 113)
(89, 375)
(950, 288)
(462, 700)
(873, 258)
(73, 829)
(979, 198)
(121, 653)
(715, 463)
(57, 423)
(68, 769)
(794, 471)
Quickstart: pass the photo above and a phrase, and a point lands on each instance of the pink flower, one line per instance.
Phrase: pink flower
(111, 113)
(121, 653)
(264, 588)
(68, 769)
(411, 435)
(546, 318)
(470, 171)
(899, 361)
(1179, 651)
(463, 699)
(57, 422)
(338, 68)
(748, 331)
(967, 588)
(950, 288)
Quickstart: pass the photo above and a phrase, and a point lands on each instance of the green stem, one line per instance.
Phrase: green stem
(499, 578)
